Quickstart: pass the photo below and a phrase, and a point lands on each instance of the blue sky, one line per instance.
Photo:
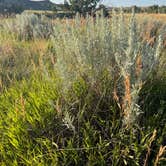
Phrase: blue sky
(127, 2)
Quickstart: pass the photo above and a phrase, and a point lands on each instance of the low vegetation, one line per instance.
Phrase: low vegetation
(85, 91)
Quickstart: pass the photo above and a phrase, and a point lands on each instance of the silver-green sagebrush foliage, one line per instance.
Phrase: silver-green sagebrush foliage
(91, 49)
(29, 26)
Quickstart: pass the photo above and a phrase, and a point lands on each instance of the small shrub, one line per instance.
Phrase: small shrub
(29, 26)
(89, 50)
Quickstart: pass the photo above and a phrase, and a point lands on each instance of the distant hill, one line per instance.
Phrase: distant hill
(8, 5)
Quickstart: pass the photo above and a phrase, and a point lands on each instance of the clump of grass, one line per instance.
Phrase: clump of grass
(40, 124)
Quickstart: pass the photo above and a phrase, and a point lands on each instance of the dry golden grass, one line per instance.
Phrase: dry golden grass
(153, 137)
(155, 22)
(161, 152)
(157, 17)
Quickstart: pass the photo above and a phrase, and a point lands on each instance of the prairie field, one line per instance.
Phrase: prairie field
(83, 91)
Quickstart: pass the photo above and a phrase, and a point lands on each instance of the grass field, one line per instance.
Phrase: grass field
(83, 91)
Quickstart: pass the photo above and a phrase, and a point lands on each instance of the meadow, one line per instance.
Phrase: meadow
(83, 91)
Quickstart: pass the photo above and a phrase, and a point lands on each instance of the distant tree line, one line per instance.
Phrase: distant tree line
(150, 9)
(89, 6)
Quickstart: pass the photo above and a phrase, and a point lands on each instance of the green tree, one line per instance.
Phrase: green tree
(104, 10)
(66, 5)
(83, 6)
(153, 9)
(54, 8)
(163, 9)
